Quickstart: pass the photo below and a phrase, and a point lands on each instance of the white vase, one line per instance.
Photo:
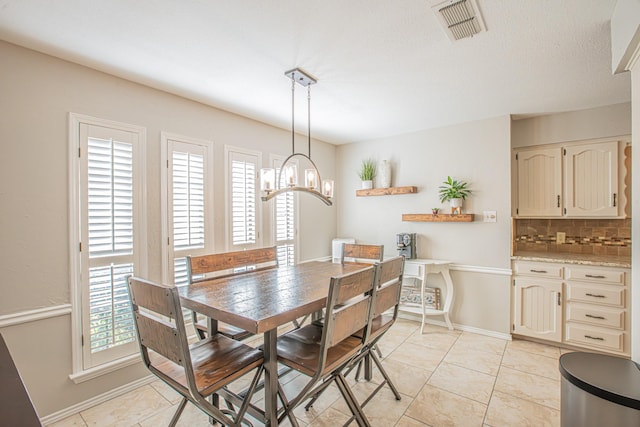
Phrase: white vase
(385, 174)
(455, 203)
(367, 185)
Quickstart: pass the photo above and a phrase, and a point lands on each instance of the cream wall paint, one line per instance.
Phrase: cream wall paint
(477, 152)
(602, 122)
(38, 92)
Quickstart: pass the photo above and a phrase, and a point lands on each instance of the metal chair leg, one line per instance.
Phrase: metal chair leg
(176, 416)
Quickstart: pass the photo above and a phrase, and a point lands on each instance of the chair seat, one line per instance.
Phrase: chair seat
(216, 361)
(299, 349)
(226, 330)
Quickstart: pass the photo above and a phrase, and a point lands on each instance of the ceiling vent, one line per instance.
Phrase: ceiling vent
(460, 18)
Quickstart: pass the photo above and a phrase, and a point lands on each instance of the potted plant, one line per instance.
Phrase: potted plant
(454, 192)
(366, 173)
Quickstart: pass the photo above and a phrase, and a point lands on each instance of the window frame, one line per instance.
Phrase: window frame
(80, 373)
(168, 251)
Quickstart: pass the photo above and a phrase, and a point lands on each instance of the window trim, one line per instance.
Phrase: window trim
(78, 372)
(228, 149)
(167, 245)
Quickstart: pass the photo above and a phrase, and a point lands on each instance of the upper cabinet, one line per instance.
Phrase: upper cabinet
(592, 179)
(569, 180)
(539, 182)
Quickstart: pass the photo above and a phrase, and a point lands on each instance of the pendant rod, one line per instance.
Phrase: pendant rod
(293, 112)
(309, 118)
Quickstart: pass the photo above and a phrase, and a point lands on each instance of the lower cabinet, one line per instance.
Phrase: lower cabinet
(573, 304)
(538, 308)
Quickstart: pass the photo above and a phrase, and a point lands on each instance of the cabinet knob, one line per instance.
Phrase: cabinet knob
(592, 276)
(538, 271)
(594, 338)
(559, 200)
(614, 199)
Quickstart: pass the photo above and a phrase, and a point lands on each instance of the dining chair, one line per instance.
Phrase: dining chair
(204, 267)
(383, 314)
(195, 371)
(322, 352)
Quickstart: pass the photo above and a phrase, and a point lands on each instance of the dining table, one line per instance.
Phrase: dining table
(260, 301)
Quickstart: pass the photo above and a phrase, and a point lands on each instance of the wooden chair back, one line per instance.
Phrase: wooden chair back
(225, 263)
(348, 306)
(362, 252)
(160, 326)
(389, 285)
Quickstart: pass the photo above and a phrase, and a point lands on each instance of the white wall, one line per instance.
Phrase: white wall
(477, 152)
(36, 94)
(593, 123)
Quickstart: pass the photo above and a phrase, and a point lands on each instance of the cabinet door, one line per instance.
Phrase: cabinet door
(592, 180)
(538, 308)
(539, 182)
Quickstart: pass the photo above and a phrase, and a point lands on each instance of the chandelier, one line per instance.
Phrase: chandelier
(287, 177)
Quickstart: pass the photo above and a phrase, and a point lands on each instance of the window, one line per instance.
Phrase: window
(284, 214)
(187, 203)
(242, 170)
(108, 237)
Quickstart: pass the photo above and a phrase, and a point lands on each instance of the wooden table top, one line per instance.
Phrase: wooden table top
(265, 299)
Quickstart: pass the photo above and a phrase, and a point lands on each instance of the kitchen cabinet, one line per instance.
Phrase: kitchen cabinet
(591, 173)
(578, 305)
(538, 308)
(568, 180)
(539, 182)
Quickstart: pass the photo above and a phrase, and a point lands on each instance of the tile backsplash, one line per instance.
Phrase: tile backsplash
(583, 236)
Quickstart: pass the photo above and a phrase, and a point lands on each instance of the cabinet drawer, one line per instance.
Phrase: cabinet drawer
(595, 337)
(595, 315)
(603, 294)
(548, 270)
(615, 277)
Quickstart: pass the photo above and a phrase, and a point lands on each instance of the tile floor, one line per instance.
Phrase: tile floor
(446, 378)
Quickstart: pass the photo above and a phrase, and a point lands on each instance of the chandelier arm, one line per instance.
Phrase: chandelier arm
(327, 201)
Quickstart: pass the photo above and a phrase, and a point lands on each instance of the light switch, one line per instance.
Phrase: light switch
(489, 216)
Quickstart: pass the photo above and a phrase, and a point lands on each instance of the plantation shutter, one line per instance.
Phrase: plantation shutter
(190, 200)
(285, 224)
(243, 198)
(108, 237)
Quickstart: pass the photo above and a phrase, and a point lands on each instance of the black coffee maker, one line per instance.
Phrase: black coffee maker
(406, 243)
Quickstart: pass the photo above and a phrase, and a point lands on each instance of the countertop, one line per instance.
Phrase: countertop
(569, 258)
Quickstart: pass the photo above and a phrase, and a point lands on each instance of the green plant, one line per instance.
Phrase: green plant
(367, 170)
(453, 189)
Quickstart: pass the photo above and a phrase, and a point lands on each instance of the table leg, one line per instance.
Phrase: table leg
(271, 377)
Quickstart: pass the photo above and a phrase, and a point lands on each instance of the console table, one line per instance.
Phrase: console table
(419, 269)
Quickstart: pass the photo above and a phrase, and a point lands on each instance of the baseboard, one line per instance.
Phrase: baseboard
(96, 400)
(464, 328)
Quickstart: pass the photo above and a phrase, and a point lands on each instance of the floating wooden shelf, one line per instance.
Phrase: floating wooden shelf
(390, 191)
(438, 217)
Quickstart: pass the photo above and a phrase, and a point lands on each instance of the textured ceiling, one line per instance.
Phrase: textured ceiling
(384, 67)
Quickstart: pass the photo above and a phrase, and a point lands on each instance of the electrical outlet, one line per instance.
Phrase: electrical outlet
(561, 237)
(489, 216)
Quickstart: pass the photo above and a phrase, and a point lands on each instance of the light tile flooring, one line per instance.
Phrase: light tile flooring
(446, 378)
